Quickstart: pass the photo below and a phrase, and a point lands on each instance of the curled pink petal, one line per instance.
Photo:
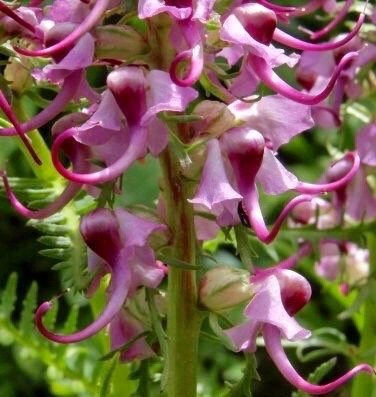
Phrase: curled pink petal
(119, 286)
(310, 188)
(89, 23)
(253, 212)
(290, 41)
(6, 108)
(12, 14)
(67, 195)
(273, 81)
(334, 22)
(67, 92)
(195, 58)
(272, 337)
(135, 149)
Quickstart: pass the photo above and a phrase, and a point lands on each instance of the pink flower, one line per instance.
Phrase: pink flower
(119, 241)
(279, 296)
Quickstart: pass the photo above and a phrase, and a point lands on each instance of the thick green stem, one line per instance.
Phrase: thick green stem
(183, 317)
(365, 385)
(46, 171)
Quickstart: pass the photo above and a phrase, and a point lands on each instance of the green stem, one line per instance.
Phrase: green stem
(365, 385)
(183, 321)
(46, 171)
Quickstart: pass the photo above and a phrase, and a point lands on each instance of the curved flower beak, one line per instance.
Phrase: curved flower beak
(100, 230)
(272, 337)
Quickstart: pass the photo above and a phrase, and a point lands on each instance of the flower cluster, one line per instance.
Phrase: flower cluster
(225, 148)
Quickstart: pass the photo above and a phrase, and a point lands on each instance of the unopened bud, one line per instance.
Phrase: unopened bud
(223, 288)
(216, 118)
(122, 43)
(18, 75)
(357, 267)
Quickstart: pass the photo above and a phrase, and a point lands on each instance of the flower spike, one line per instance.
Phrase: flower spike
(290, 41)
(12, 14)
(272, 337)
(89, 23)
(6, 108)
(273, 81)
(310, 188)
(68, 90)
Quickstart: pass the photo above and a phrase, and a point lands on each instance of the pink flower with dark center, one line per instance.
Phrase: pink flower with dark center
(119, 241)
(253, 27)
(235, 164)
(126, 122)
(279, 296)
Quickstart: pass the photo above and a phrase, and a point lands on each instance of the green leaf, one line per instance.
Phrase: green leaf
(244, 247)
(317, 375)
(71, 321)
(176, 263)
(51, 315)
(217, 329)
(49, 228)
(323, 342)
(56, 253)
(104, 386)
(243, 387)
(55, 241)
(9, 296)
(180, 118)
(26, 324)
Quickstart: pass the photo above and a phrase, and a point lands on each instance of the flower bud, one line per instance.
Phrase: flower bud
(223, 288)
(121, 43)
(357, 266)
(18, 75)
(216, 118)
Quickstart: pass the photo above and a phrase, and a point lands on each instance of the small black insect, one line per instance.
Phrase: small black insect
(243, 215)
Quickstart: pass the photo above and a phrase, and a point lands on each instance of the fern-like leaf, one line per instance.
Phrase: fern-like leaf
(9, 296)
(60, 232)
(27, 314)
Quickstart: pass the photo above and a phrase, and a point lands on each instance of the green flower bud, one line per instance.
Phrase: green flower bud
(122, 43)
(223, 288)
(217, 119)
(18, 75)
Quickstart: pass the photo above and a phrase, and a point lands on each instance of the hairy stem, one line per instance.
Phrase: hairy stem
(183, 317)
(366, 385)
